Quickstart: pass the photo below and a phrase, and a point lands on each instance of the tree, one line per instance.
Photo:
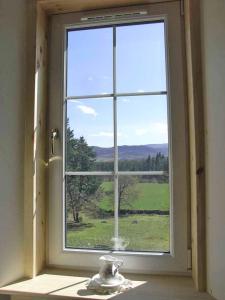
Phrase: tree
(79, 189)
(148, 163)
(127, 191)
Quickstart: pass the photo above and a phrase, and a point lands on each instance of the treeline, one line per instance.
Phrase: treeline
(83, 193)
(159, 162)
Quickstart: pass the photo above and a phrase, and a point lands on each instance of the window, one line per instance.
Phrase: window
(116, 170)
(118, 174)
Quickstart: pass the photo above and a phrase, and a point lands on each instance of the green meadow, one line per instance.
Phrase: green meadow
(140, 232)
(151, 196)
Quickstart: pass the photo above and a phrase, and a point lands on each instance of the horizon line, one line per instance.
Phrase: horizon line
(130, 145)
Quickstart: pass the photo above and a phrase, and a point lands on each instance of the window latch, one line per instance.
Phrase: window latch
(54, 136)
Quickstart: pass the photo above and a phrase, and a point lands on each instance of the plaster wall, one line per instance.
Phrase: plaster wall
(12, 95)
(213, 47)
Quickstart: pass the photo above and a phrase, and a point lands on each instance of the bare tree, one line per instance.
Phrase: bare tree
(127, 191)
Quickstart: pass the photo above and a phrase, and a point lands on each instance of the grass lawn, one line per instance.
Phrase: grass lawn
(150, 196)
(141, 233)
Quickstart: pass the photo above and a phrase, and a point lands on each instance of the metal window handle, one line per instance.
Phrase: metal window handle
(54, 136)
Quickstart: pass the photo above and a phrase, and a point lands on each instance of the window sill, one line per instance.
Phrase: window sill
(68, 284)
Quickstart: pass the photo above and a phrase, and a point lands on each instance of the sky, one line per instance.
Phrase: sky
(140, 67)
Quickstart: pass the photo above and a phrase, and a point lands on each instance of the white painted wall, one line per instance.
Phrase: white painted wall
(12, 95)
(213, 34)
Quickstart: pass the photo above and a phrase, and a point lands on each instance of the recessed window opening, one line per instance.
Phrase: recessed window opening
(116, 158)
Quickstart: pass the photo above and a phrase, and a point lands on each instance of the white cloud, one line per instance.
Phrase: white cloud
(87, 110)
(153, 128)
(140, 91)
(90, 78)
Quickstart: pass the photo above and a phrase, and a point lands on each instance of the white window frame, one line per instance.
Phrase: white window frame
(152, 262)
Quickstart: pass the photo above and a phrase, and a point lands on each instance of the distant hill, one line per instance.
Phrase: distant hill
(131, 152)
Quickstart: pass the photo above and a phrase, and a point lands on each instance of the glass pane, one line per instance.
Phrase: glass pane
(144, 223)
(89, 212)
(89, 144)
(142, 133)
(140, 58)
(90, 62)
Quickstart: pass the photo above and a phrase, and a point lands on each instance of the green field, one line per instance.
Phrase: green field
(151, 196)
(141, 232)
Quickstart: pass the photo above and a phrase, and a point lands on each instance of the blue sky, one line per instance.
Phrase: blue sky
(140, 64)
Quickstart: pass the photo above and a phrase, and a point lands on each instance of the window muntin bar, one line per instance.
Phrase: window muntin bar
(117, 95)
(116, 225)
(159, 173)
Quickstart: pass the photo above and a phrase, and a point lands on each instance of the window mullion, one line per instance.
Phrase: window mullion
(116, 200)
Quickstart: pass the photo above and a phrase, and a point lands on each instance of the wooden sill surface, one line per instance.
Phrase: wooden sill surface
(70, 285)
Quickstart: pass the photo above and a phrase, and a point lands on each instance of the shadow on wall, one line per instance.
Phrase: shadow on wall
(4, 297)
